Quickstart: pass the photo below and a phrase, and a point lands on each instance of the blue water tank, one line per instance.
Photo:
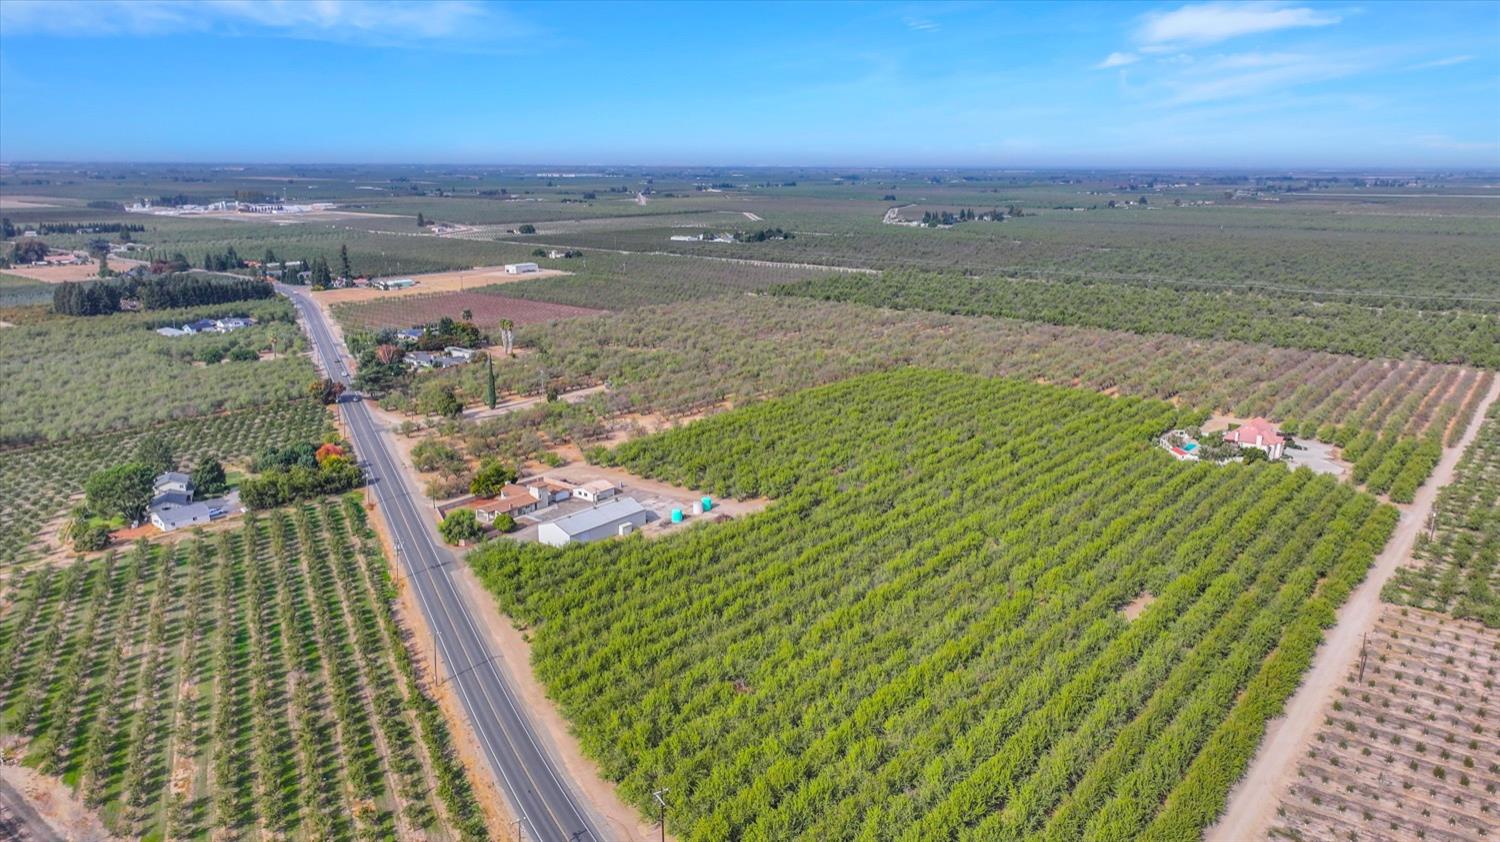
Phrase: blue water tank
(677, 515)
(708, 504)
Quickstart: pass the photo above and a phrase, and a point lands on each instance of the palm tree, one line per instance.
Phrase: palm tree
(507, 337)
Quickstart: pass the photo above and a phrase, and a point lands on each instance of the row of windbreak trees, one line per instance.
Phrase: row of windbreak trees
(252, 681)
(1453, 336)
(921, 638)
(165, 292)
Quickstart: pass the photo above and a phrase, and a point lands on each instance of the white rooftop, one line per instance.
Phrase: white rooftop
(587, 519)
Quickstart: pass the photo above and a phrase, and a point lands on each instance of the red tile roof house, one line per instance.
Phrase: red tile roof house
(514, 500)
(1259, 434)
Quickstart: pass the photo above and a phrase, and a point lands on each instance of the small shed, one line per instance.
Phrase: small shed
(595, 491)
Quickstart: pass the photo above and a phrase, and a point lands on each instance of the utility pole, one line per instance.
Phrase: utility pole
(662, 802)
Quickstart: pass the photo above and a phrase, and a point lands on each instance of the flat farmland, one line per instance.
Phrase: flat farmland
(924, 637)
(487, 310)
(435, 282)
(1410, 748)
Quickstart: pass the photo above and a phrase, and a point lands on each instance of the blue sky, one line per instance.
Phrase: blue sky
(1223, 84)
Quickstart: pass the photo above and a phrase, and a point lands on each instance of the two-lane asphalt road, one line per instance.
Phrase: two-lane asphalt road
(543, 799)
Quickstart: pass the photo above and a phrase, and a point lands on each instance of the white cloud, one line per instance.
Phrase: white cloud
(389, 22)
(1442, 62)
(1253, 74)
(921, 24)
(1243, 61)
(1117, 60)
(1208, 23)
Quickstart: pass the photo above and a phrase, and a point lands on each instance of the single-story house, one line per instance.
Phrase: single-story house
(514, 500)
(430, 359)
(465, 354)
(201, 326)
(177, 517)
(553, 490)
(393, 283)
(1259, 434)
(171, 331)
(410, 334)
(234, 323)
(620, 516)
(521, 268)
(556, 254)
(596, 491)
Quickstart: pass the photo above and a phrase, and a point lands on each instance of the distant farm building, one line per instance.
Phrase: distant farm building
(1259, 434)
(393, 283)
(596, 491)
(521, 268)
(620, 516)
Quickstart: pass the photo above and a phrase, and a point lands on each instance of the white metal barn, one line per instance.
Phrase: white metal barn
(620, 516)
(521, 268)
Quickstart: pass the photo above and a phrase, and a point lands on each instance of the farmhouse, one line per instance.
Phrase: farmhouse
(201, 326)
(620, 516)
(177, 517)
(410, 334)
(430, 359)
(1259, 434)
(459, 352)
(172, 489)
(521, 268)
(514, 500)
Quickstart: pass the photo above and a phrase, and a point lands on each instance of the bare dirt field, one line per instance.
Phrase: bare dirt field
(487, 310)
(74, 272)
(26, 202)
(1409, 748)
(459, 281)
(56, 804)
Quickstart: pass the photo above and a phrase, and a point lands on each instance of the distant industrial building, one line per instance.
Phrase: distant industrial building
(620, 516)
(521, 268)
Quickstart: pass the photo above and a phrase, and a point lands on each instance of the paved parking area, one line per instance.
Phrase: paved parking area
(1317, 456)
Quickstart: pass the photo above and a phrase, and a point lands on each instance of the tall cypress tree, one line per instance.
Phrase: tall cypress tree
(489, 382)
